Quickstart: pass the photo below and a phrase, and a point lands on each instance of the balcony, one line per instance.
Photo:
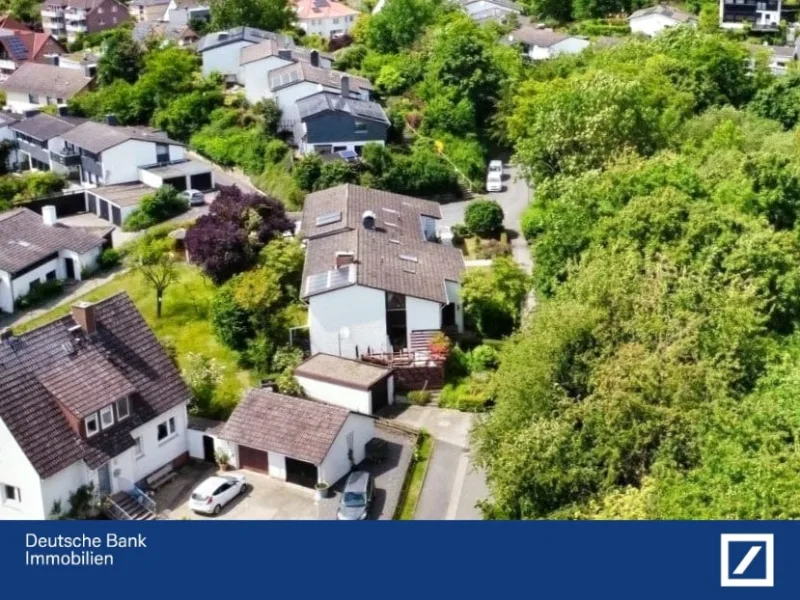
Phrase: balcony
(76, 26)
(52, 13)
(66, 157)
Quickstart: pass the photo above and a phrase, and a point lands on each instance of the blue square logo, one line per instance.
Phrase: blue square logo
(747, 560)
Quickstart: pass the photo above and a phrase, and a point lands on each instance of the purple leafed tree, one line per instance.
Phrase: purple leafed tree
(227, 240)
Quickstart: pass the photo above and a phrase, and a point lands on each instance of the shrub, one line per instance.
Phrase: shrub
(419, 397)
(483, 358)
(202, 375)
(471, 395)
(484, 217)
(286, 358)
(457, 364)
(109, 258)
(40, 293)
(164, 204)
(488, 249)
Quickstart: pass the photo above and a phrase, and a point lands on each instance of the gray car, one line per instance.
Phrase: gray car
(356, 497)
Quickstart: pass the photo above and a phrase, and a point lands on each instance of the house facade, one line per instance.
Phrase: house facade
(542, 44)
(758, 15)
(183, 12)
(143, 11)
(376, 279)
(257, 61)
(18, 46)
(67, 19)
(41, 147)
(89, 399)
(326, 18)
(34, 85)
(653, 20)
(221, 50)
(37, 249)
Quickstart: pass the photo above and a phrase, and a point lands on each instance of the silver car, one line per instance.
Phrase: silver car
(356, 497)
(194, 197)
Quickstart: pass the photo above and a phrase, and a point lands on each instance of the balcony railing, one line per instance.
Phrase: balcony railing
(68, 158)
(52, 12)
(76, 26)
(134, 492)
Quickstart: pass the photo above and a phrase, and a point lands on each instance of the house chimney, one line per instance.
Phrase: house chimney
(344, 258)
(112, 120)
(49, 217)
(345, 83)
(83, 313)
(314, 58)
(368, 219)
(6, 334)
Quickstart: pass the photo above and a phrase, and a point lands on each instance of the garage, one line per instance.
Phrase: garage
(201, 182)
(380, 395)
(116, 202)
(301, 473)
(104, 210)
(92, 203)
(116, 215)
(255, 460)
(181, 175)
(179, 183)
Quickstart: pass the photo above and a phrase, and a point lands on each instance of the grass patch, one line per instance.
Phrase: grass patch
(477, 248)
(184, 322)
(415, 478)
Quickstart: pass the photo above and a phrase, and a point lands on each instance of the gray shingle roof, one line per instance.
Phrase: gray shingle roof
(342, 371)
(46, 80)
(271, 47)
(295, 427)
(32, 413)
(97, 137)
(666, 10)
(25, 239)
(315, 104)
(156, 29)
(45, 127)
(544, 38)
(303, 71)
(394, 256)
(238, 34)
(504, 3)
(123, 194)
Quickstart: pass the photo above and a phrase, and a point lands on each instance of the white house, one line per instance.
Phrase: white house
(40, 145)
(34, 85)
(183, 12)
(89, 399)
(376, 279)
(541, 44)
(491, 10)
(221, 50)
(758, 15)
(36, 249)
(257, 61)
(358, 386)
(653, 20)
(327, 18)
(297, 440)
(779, 58)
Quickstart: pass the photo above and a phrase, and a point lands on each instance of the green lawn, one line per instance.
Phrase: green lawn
(184, 320)
(409, 497)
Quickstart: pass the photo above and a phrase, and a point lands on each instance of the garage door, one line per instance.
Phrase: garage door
(103, 209)
(380, 395)
(179, 183)
(255, 460)
(301, 472)
(116, 215)
(201, 182)
(92, 203)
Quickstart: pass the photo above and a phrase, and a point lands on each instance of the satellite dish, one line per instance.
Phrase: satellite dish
(344, 333)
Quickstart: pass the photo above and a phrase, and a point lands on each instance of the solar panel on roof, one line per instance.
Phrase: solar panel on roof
(330, 280)
(17, 48)
(329, 218)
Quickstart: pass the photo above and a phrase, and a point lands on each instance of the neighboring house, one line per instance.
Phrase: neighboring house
(541, 44)
(183, 12)
(299, 80)
(85, 61)
(71, 18)
(147, 10)
(8, 137)
(295, 439)
(333, 122)
(35, 84)
(358, 386)
(38, 249)
(40, 144)
(326, 18)
(89, 399)
(221, 50)
(376, 279)
(183, 35)
(779, 58)
(655, 19)
(20, 46)
(757, 15)
(257, 61)
(491, 10)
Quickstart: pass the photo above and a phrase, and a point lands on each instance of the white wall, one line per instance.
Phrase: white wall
(62, 485)
(327, 28)
(421, 315)
(651, 25)
(361, 310)
(16, 470)
(156, 453)
(229, 448)
(194, 442)
(356, 400)
(572, 45)
(308, 148)
(223, 59)
(18, 102)
(255, 76)
(337, 464)
(22, 284)
(454, 294)
(121, 163)
(287, 100)
(6, 300)
(277, 465)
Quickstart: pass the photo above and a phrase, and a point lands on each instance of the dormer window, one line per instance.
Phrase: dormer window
(92, 425)
(123, 408)
(107, 417)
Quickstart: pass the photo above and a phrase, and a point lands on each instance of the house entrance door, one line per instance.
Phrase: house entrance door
(104, 480)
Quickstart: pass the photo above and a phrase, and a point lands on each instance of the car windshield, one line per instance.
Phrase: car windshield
(354, 499)
(495, 168)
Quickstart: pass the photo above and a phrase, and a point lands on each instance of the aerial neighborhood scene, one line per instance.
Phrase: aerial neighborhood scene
(399, 259)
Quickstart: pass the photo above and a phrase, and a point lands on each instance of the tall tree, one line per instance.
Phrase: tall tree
(121, 58)
(271, 15)
(154, 260)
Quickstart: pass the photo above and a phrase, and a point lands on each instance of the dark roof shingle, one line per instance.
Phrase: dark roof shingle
(98, 137)
(44, 127)
(343, 371)
(302, 71)
(46, 80)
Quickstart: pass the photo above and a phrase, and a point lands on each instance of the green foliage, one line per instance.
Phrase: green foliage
(39, 294)
(121, 58)
(780, 101)
(202, 374)
(189, 112)
(493, 296)
(469, 395)
(483, 358)
(19, 189)
(419, 397)
(154, 260)
(271, 15)
(399, 24)
(154, 208)
(109, 258)
(484, 217)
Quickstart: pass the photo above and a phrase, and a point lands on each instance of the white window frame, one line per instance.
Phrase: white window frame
(138, 449)
(171, 429)
(104, 412)
(126, 401)
(16, 499)
(92, 417)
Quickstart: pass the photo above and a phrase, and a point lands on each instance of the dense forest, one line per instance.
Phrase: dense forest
(658, 376)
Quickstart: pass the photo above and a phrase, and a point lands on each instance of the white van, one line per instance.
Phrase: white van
(494, 180)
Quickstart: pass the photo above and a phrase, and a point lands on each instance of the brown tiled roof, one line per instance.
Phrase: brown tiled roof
(85, 382)
(381, 254)
(303, 71)
(46, 80)
(295, 427)
(25, 239)
(32, 413)
(342, 371)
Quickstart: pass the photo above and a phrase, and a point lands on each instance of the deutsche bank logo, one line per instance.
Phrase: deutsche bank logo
(748, 560)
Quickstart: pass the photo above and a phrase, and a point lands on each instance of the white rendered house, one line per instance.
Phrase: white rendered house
(327, 18)
(653, 20)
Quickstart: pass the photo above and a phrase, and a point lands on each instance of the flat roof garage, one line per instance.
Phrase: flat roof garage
(182, 175)
(114, 203)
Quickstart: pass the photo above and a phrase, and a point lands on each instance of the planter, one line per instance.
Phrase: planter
(322, 491)
(224, 466)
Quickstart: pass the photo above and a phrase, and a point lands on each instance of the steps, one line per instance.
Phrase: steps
(132, 509)
(466, 192)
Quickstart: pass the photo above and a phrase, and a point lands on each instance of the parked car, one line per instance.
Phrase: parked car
(356, 497)
(194, 197)
(494, 179)
(215, 492)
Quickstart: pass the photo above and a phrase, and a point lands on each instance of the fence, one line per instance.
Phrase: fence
(66, 203)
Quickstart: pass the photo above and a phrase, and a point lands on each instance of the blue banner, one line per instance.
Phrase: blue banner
(674, 560)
